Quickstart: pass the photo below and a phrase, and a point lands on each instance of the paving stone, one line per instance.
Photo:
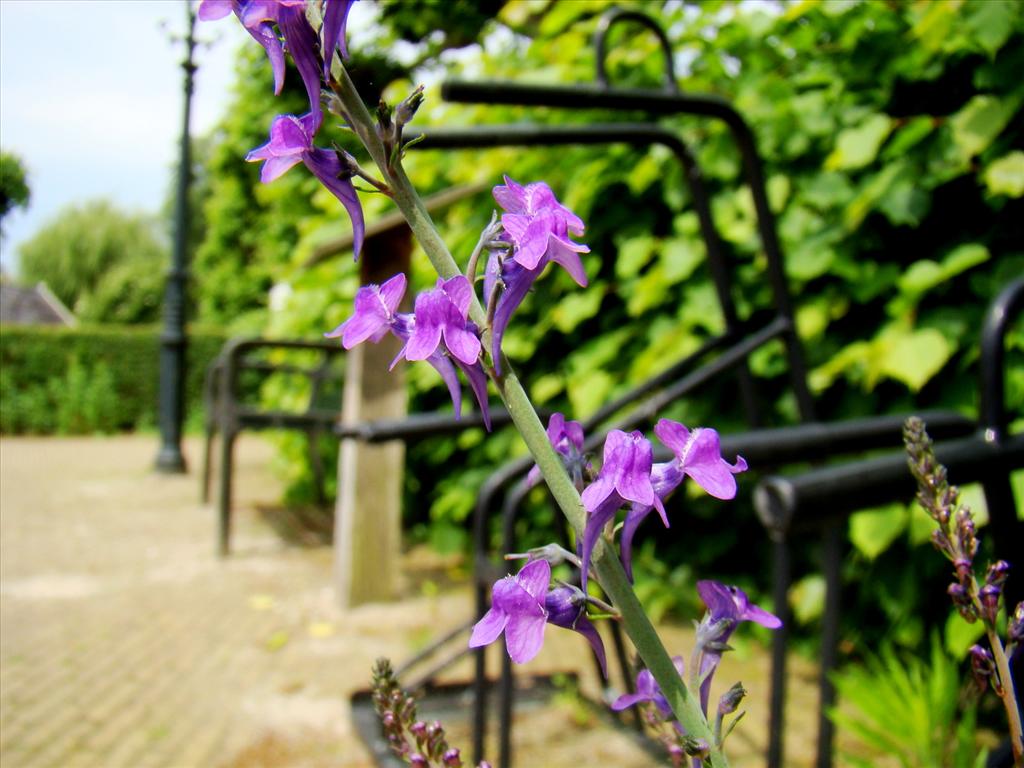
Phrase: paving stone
(126, 643)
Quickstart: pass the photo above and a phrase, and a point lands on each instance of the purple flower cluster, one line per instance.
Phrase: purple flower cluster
(438, 331)
(536, 228)
(628, 476)
(727, 607)
(280, 26)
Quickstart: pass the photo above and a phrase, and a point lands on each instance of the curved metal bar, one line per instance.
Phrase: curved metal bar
(583, 96)
(1003, 309)
(609, 19)
(643, 134)
(1003, 521)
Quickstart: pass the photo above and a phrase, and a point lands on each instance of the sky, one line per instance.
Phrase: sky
(91, 99)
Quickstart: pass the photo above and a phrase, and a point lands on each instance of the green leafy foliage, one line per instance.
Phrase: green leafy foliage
(105, 264)
(889, 134)
(909, 709)
(91, 379)
(14, 191)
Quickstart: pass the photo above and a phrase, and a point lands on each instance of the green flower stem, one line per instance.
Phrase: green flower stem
(607, 566)
(1009, 695)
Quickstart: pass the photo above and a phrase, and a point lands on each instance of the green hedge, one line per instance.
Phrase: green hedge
(90, 379)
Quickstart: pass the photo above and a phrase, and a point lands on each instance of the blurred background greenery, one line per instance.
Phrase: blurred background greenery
(891, 134)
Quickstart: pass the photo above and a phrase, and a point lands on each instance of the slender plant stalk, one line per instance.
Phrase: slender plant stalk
(1008, 695)
(607, 566)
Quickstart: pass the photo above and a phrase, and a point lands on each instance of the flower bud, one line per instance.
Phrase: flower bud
(963, 603)
(731, 699)
(418, 761)
(406, 109)
(709, 631)
(965, 533)
(1015, 628)
(564, 606)
(989, 597)
(452, 759)
(695, 747)
(982, 665)
(997, 573)
(941, 541)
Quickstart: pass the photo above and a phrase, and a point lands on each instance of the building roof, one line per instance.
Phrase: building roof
(20, 305)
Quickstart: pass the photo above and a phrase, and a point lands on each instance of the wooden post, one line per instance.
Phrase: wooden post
(368, 513)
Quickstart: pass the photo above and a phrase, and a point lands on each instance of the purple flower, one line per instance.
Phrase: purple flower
(700, 456)
(375, 311)
(303, 44)
(514, 282)
(517, 609)
(291, 142)
(567, 608)
(647, 689)
(404, 326)
(443, 312)
(727, 607)
(258, 17)
(732, 604)
(625, 476)
(335, 21)
(567, 439)
(665, 478)
(538, 226)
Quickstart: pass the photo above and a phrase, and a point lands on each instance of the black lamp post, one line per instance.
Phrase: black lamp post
(173, 340)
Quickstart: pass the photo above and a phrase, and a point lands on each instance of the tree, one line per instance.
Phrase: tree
(106, 264)
(14, 191)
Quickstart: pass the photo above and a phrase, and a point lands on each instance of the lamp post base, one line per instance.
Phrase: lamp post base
(170, 461)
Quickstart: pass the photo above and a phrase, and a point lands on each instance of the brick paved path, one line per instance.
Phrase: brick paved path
(125, 642)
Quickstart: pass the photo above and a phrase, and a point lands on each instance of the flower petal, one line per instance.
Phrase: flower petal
(426, 334)
(596, 521)
(335, 20)
(460, 292)
(761, 616)
(489, 628)
(274, 167)
(392, 291)
(462, 343)
(586, 628)
(446, 369)
(511, 197)
(524, 637)
(535, 577)
(211, 10)
(478, 383)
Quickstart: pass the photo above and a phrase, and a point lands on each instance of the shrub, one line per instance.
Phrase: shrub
(91, 379)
